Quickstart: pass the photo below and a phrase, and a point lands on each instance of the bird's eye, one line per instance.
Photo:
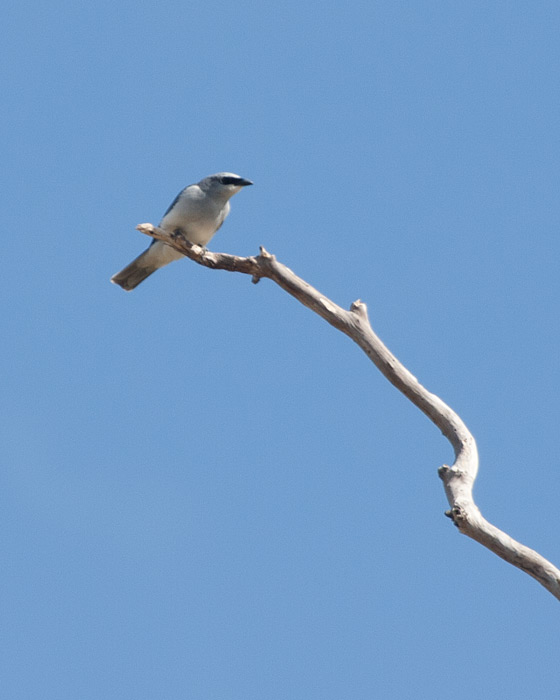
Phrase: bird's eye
(228, 180)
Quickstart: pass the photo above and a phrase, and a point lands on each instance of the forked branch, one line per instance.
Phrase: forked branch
(458, 479)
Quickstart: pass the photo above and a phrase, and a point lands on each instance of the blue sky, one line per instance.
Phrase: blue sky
(207, 492)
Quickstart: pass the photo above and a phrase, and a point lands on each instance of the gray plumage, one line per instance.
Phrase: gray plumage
(198, 211)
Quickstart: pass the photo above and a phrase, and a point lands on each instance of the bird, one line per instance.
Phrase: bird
(197, 212)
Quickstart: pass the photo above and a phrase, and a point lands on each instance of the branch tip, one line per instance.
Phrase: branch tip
(443, 471)
(145, 228)
(359, 308)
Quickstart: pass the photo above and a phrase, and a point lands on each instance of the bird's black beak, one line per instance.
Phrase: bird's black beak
(242, 182)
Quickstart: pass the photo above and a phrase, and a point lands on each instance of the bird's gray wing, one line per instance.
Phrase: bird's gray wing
(173, 203)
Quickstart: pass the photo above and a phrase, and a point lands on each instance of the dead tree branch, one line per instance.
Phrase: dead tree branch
(458, 479)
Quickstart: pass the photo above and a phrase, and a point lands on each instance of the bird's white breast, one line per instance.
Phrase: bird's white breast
(196, 215)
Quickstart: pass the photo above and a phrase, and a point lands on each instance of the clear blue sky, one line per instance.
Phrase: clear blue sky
(207, 492)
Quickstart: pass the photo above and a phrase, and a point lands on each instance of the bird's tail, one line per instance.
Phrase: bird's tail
(136, 272)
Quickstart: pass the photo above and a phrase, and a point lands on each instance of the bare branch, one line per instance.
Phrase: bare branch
(458, 479)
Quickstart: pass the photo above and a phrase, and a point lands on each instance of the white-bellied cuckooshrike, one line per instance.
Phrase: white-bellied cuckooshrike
(198, 211)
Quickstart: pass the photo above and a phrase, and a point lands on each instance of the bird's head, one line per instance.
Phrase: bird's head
(224, 184)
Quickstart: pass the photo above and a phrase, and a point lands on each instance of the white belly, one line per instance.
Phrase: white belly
(197, 218)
